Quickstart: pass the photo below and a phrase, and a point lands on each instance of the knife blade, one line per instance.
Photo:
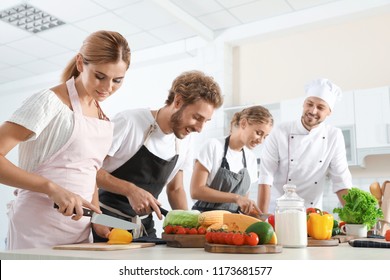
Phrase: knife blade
(106, 220)
(256, 215)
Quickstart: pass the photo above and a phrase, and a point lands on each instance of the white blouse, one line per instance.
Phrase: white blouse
(51, 122)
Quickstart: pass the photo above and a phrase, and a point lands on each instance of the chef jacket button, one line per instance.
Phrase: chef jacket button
(311, 203)
(320, 161)
(292, 137)
(289, 180)
(323, 137)
(315, 183)
(292, 160)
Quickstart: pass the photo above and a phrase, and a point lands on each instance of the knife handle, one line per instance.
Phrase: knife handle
(86, 211)
(163, 211)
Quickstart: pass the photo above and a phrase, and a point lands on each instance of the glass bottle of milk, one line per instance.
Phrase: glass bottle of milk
(290, 219)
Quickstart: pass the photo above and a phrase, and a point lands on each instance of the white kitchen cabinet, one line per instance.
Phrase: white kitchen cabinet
(372, 118)
(343, 117)
(291, 109)
(343, 113)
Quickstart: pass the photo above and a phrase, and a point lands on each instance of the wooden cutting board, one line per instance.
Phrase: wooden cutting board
(184, 240)
(102, 246)
(334, 241)
(245, 249)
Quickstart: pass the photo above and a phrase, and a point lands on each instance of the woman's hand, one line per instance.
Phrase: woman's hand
(247, 206)
(69, 203)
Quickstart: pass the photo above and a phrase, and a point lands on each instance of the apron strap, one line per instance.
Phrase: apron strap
(153, 127)
(224, 163)
(73, 96)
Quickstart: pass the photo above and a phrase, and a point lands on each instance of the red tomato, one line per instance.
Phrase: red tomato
(192, 231)
(201, 230)
(341, 224)
(168, 229)
(180, 230)
(310, 210)
(387, 235)
(215, 237)
(229, 238)
(220, 237)
(209, 237)
(251, 239)
(271, 221)
(238, 239)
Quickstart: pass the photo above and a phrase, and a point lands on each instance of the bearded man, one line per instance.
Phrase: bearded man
(150, 150)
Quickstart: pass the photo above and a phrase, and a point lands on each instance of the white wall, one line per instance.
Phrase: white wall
(353, 53)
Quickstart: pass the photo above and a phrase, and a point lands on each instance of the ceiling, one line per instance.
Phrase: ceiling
(145, 23)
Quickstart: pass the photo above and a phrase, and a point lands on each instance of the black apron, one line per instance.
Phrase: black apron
(146, 171)
(227, 181)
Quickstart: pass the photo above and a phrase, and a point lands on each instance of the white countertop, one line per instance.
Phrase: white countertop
(163, 252)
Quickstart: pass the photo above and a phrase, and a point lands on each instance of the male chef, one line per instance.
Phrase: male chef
(150, 150)
(304, 152)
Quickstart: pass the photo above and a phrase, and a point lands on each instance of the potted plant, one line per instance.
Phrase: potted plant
(360, 207)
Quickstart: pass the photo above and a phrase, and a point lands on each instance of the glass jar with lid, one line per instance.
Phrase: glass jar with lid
(290, 219)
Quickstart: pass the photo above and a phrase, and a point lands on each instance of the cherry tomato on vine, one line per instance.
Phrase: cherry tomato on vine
(192, 231)
(209, 237)
(180, 230)
(238, 239)
(168, 229)
(229, 238)
(251, 239)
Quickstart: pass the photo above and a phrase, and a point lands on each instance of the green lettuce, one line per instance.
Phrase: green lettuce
(185, 218)
(360, 207)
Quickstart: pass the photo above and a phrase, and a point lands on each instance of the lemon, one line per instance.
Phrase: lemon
(274, 240)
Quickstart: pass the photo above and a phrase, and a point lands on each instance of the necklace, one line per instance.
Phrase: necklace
(101, 114)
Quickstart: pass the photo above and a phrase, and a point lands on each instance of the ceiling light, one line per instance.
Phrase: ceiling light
(29, 18)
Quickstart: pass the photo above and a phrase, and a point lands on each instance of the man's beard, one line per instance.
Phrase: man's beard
(311, 124)
(177, 122)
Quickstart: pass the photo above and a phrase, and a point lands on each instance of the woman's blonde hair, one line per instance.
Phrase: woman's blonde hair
(98, 48)
(254, 115)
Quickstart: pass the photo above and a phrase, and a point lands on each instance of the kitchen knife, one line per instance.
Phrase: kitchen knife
(163, 211)
(107, 220)
(256, 215)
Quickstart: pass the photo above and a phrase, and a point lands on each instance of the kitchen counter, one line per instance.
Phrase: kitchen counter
(163, 252)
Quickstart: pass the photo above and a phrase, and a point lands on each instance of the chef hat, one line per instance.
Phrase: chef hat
(324, 89)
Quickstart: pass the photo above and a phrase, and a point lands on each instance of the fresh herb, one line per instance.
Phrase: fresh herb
(360, 207)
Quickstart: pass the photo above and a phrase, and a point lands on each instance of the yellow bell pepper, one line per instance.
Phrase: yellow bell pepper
(319, 225)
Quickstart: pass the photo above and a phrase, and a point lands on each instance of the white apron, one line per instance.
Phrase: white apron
(33, 221)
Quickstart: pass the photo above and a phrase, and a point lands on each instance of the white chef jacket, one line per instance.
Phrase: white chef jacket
(293, 155)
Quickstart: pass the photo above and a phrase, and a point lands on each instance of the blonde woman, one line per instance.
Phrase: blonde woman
(64, 137)
(224, 171)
